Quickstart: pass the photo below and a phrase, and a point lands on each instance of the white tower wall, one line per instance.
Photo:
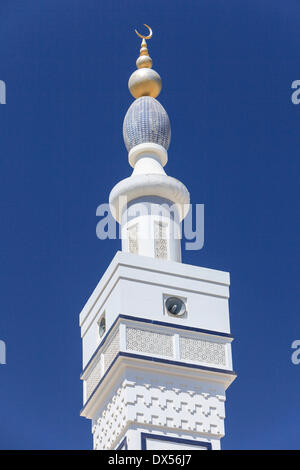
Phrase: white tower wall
(166, 375)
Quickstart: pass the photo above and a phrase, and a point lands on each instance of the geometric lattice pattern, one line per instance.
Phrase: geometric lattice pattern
(93, 378)
(133, 239)
(149, 342)
(146, 121)
(160, 240)
(180, 408)
(202, 351)
(111, 350)
(154, 343)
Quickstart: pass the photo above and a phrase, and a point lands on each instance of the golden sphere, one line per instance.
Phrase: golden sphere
(144, 82)
(144, 61)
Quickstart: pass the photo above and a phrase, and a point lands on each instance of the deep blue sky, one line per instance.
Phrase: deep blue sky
(227, 68)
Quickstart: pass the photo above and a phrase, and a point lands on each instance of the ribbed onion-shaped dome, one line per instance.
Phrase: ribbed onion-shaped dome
(146, 121)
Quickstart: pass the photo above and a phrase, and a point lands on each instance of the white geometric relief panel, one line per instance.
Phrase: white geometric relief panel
(93, 378)
(112, 350)
(202, 351)
(149, 342)
(181, 410)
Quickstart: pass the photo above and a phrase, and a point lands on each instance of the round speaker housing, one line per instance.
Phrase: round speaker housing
(175, 306)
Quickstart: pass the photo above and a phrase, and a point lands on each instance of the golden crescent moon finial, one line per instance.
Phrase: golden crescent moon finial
(145, 37)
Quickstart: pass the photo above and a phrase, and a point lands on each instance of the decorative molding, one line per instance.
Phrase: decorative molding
(156, 343)
(151, 322)
(224, 376)
(170, 406)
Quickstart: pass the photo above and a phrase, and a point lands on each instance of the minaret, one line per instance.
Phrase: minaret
(155, 332)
